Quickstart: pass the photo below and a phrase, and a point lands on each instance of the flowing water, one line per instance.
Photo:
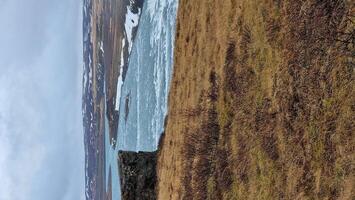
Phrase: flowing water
(144, 92)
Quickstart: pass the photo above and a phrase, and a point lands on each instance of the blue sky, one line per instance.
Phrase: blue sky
(41, 139)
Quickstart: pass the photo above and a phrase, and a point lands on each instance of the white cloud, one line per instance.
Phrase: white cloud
(41, 140)
(22, 152)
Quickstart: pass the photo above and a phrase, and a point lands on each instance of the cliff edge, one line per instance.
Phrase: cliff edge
(137, 174)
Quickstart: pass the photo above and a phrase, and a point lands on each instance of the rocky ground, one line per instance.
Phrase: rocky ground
(138, 175)
(261, 104)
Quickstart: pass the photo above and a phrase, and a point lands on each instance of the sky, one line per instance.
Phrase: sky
(41, 137)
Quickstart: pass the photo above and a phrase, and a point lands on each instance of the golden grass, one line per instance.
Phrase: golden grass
(262, 102)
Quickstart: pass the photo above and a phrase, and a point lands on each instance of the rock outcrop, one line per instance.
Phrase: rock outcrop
(137, 175)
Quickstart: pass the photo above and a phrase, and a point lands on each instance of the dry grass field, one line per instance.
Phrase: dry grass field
(262, 101)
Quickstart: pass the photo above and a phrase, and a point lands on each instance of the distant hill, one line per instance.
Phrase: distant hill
(109, 29)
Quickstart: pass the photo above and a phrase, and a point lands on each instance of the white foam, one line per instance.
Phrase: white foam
(162, 44)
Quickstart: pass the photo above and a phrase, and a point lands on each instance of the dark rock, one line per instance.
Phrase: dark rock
(127, 103)
(136, 5)
(137, 175)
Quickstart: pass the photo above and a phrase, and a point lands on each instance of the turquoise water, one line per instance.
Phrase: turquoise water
(146, 85)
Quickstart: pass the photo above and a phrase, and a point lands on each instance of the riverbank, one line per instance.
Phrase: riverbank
(261, 103)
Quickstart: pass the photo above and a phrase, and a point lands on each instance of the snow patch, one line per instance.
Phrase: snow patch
(120, 78)
(131, 22)
(102, 47)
